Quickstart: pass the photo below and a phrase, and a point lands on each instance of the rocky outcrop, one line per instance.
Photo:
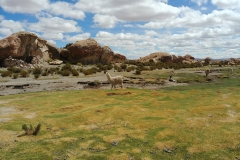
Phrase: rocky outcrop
(188, 57)
(157, 56)
(17, 45)
(64, 54)
(24, 46)
(119, 58)
(53, 51)
(88, 52)
(33, 62)
(107, 55)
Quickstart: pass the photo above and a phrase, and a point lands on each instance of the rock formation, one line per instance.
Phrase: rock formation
(24, 46)
(33, 62)
(119, 58)
(157, 56)
(107, 55)
(88, 52)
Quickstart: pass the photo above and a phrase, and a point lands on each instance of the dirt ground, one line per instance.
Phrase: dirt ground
(20, 85)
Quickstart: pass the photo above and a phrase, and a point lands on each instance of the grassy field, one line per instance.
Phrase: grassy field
(199, 121)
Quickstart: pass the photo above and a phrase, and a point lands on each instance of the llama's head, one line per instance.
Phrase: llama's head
(107, 73)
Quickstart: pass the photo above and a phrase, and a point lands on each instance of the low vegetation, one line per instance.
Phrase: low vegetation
(198, 121)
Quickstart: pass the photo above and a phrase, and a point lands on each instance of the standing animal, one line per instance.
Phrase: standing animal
(207, 71)
(115, 80)
(231, 70)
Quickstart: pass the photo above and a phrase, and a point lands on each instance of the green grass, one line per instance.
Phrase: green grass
(198, 121)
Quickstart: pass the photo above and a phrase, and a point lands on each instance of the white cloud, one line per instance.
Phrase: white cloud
(227, 4)
(104, 21)
(52, 36)
(200, 43)
(28, 6)
(151, 33)
(125, 11)
(5, 31)
(51, 41)
(54, 25)
(1, 17)
(66, 9)
(77, 37)
(199, 2)
(8, 27)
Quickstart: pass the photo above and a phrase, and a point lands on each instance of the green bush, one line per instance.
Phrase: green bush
(37, 70)
(79, 64)
(15, 75)
(24, 73)
(66, 73)
(67, 67)
(123, 66)
(6, 74)
(36, 76)
(138, 72)
(75, 72)
(45, 73)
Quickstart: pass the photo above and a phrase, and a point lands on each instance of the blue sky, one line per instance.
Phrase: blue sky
(134, 28)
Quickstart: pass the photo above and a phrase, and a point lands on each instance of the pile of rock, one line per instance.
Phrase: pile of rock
(18, 63)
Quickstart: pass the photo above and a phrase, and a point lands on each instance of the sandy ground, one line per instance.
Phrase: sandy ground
(10, 86)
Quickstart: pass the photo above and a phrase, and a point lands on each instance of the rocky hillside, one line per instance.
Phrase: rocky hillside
(22, 48)
(166, 57)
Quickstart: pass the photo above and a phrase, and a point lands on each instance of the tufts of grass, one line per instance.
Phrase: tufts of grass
(199, 121)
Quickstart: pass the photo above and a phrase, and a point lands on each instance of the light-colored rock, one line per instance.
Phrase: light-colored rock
(89, 52)
(25, 46)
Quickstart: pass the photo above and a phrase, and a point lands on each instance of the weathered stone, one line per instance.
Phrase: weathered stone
(64, 53)
(188, 57)
(107, 55)
(119, 58)
(17, 45)
(56, 62)
(18, 63)
(157, 56)
(85, 51)
(22, 45)
(53, 51)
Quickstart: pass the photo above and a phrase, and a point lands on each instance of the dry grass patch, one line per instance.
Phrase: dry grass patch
(190, 121)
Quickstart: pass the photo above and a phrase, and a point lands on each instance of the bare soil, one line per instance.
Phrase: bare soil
(56, 82)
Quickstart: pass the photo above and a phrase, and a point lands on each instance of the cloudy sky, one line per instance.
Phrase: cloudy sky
(134, 28)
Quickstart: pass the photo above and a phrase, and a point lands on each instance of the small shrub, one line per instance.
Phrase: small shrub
(67, 67)
(138, 72)
(15, 75)
(79, 64)
(29, 71)
(75, 72)
(37, 70)
(30, 130)
(6, 74)
(45, 73)
(36, 76)
(24, 73)
(123, 66)
(66, 73)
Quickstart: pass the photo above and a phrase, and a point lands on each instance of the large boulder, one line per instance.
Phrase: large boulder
(17, 45)
(64, 53)
(107, 55)
(157, 56)
(188, 57)
(53, 51)
(25, 46)
(119, 58)
(89, 52)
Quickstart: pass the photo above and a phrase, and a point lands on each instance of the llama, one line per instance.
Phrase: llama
(207, 71)
(231, 70)
(115, 80)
